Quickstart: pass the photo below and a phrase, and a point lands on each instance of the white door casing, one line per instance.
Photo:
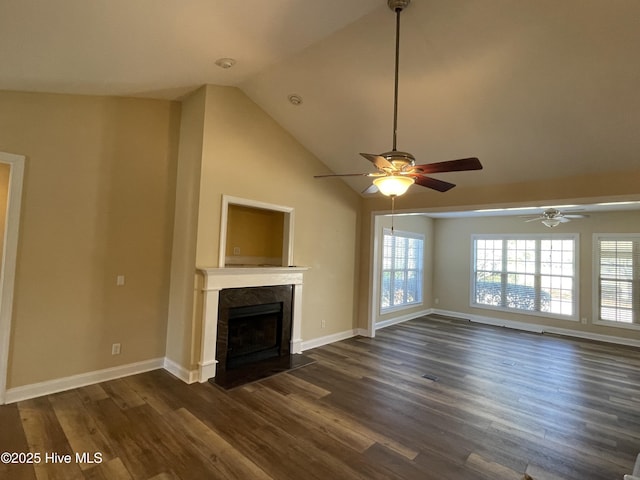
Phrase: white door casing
(9, 257)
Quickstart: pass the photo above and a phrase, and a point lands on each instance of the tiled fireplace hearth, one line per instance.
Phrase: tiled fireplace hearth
(218, 279)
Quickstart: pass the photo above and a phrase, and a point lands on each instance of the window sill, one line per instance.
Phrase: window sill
(614, 324)
(555, 316)
(399, 308)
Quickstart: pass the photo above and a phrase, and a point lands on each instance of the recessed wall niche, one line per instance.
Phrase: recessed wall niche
(255, 234)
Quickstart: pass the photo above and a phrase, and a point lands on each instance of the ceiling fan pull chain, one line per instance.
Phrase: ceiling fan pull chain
(393, 209)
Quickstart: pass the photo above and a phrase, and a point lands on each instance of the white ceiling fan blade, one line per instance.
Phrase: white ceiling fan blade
(370, 189)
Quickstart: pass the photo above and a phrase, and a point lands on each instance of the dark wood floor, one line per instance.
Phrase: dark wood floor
(497, 403)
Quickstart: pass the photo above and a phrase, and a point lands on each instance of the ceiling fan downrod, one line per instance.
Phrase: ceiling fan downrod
(397, 6)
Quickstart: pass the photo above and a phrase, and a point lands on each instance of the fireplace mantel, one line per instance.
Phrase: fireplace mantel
(216, 279)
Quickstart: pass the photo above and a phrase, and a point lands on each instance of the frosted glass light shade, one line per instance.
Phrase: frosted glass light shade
(393, 185)
(551, 222)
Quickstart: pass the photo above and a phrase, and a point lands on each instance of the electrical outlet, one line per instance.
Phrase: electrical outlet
(323, 323)
(437, 301)
(120, 280)
(236, 250)
(584, 320)
(115, 349)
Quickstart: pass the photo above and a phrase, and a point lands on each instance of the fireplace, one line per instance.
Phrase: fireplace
(254, 324)
(219, 280)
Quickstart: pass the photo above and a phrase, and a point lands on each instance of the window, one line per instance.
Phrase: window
(618, 278)
(533, 274)
(401, 282)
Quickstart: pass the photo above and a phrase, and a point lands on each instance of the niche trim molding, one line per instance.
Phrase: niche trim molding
(287, 234)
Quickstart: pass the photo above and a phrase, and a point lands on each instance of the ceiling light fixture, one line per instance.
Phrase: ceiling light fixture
(394, 185)
(295, 99)
(225, 62)
(551, 222)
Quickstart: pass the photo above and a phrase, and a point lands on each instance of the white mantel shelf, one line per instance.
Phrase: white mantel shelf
(216, 279)
(238, 277)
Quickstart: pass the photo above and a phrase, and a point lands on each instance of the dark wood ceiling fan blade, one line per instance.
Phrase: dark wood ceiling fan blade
(459, 165)
(378, 161)
(342, 175)
(433, 183)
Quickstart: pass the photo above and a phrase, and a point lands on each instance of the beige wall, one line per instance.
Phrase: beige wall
(98, 202)
(247, 154)
(453, 263)
(182, 296)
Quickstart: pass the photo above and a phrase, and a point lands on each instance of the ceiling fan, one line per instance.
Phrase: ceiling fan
(397, 170)
(552, 217)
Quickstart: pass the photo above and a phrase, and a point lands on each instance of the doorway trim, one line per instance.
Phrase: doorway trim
(9, 257)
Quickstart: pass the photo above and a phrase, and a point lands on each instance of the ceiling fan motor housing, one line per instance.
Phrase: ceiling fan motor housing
(396, 5)
(400, 160)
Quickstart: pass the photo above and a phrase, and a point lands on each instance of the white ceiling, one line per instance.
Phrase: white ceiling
(534, 88)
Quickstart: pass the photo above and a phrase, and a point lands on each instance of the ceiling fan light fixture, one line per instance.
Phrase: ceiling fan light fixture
(393, 185)
(551, 222)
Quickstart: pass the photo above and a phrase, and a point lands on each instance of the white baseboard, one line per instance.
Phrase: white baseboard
(402, 318)
(335, 337)
(363, 332)
(593, 336)
(48, 387)
(187, 376)
(532, 327)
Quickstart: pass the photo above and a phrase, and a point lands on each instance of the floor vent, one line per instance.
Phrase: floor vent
(430, 377)
(508, 363)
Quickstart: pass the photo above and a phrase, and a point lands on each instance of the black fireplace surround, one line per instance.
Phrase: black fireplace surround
(254, 325)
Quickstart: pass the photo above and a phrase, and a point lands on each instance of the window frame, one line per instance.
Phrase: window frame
(597, 237)
(395, 308)
(537, 237)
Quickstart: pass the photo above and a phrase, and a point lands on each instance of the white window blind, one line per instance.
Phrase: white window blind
(534, 274)
(402, 260)
(618, 275)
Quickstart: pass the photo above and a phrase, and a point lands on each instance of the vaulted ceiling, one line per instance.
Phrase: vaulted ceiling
(536, 89)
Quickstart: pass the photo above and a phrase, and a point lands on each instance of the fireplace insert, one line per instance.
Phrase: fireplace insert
(255, 333)
(254, 325)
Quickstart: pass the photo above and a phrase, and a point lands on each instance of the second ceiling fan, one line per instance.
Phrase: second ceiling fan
(397, 170)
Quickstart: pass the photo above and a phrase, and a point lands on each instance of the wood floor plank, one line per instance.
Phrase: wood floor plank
(80, 428)
(113, 469)
(131, 446)
(228, 461)
(46, 437)
(122, 394)
(92, 393)
(13, 439)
